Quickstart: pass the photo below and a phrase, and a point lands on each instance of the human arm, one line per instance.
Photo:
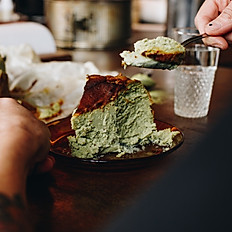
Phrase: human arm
(215, 18)
(24, 145)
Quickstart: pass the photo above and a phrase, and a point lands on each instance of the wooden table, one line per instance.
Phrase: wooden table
(74, 199)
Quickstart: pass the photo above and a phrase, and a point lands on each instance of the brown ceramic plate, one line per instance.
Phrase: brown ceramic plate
(61, 129)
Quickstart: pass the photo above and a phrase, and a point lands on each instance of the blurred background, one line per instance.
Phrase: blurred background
(170, 13)
(73, 16)
(102, 24)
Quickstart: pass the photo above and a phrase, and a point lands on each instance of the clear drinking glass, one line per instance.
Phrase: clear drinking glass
(194, 78)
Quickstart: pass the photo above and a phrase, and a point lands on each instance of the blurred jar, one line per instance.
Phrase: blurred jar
(181, 13)
(90, 24)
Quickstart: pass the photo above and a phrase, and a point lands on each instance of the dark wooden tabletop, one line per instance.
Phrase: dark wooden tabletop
(85, 199)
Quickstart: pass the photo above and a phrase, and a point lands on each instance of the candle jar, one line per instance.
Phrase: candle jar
(89, 24)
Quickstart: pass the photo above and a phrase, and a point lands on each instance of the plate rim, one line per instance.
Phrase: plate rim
(90, 161)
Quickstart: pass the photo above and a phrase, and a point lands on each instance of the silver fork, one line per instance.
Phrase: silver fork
(194, 39)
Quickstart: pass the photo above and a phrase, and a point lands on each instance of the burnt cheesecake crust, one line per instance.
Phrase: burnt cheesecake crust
(100, 90)
(115, 116)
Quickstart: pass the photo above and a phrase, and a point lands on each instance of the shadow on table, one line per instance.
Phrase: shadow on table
(194, 196)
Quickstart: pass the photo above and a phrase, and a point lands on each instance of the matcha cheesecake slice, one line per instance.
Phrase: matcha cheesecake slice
(115, 116)
(159, 53)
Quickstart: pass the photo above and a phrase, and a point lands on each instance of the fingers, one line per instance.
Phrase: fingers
(21, 127)
(215, 18)
(222, 24)
(218, 41)
(208, 11)
(228, 37)
(46, 165)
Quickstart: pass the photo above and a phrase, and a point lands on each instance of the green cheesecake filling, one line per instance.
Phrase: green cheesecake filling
(159, 53)
(125, 125)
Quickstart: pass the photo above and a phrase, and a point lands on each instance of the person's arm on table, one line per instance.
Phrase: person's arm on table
(215, 18)
(24, 146)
